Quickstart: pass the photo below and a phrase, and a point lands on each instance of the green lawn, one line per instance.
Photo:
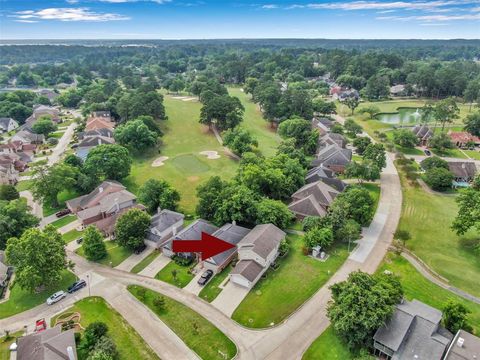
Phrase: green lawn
(211, 290)
(409, 151)
(115, 254)
(195, 331)
(22, 300)
(185, 169)
(129, 343)
(145, 262)
(453, 153)
(71, 235)
(24, 185)
(62, 197)
(428, 218)
(474, 154)
(64, 221)
(278, 295)
(328, 346)
(253, 121)
(183, 276)
(5, 345)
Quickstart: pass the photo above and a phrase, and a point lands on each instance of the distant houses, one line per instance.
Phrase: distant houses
(41, 111)
(464, 171)
(463, 139)
(423, 133)
(98, 131)
(100, 120)
(27, 136)
(7, 125)
(333, 157)
(313, 199)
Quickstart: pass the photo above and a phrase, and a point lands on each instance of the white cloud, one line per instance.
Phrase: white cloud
(26, 21)
(270, 6)
(403, 5)
(67, 14)
(432, 18)
(72, 1)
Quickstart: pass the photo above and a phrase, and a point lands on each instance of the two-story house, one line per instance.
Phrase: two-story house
(163, 226)
(7, 125)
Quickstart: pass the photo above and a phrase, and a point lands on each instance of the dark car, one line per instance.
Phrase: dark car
(77, 285)
(139, 249)
(79, 240)
(205, 277)
(62, 213)
(427, 152)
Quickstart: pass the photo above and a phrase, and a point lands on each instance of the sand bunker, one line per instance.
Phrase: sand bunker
(185, 98)
(210, 154)
(159, 161)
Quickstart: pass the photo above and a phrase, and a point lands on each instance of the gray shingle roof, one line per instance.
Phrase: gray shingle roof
(84, 200)
(231, 234)
(262, 239)
(307, 206)
(333, 155)
(96, 140)
(50, 344)
(469, 350)
(164, 220)
(462, 169)
(193, 232)
(323, 193)
(249, 269)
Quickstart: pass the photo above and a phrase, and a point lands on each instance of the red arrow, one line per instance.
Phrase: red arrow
(208, 246)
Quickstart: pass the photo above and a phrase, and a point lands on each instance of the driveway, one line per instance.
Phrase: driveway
(155, 266)
(62, 144)
(230, 297)
(134, 259)
(192, 286)
(69, 227)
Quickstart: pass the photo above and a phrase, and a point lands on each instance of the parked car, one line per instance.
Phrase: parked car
(139, 249)
(205, 277)
(427, 152)
(40, 325)
(77, 285)
(79, 240)
(62, 213)
(59, 295)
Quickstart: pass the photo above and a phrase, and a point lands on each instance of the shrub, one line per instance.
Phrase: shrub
(439, 179)
(433, 162)
(52, 141)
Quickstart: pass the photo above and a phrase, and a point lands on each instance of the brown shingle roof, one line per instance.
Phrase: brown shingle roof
(249, 269)
(462, 169)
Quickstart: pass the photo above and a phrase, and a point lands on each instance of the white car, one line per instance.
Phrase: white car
(59, 295)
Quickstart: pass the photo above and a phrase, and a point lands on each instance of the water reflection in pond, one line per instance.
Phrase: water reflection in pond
(403, 116)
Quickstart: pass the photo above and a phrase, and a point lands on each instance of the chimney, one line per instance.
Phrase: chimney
(71, 354)
(174, 231)
(234, 222)
(460, 342)
(99, 141)
(159, 209)
(100, 189)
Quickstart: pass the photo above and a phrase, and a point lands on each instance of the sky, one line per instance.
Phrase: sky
(216, 19)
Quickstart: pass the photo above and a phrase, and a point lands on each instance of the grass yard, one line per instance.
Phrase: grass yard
(24, 185)
(145, 262)
(195, 331)
(115, 254)
(62, 197)
(185, 169)
(409, 151)
(474, 154)
(22, 300)
(453, 153)
(64, 221)
(328, 346)
(183, 276)
(428, 218)
(71, 235)
(129, 343)
(253, 121)
(5, 345)
(211, 290)
(278, 295)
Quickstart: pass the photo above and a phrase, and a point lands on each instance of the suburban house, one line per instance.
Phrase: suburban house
(100, 120)
(88, 143)
(5, 271)
(8, 174)
(463, 171)
(49, 344)
(463, 139)
(107, 224)
(312, 199)
(108, 199)
(106, 132)
(102, 114)
(232, 234)
(423, 133)
(18, 147)
(413, 332)
(320, 173)
(398, 90)
(49, 94)
(163, 226)
(256, 252)
(7, 125)
(332, 139)
(191, 232)
(324, 125)
(464, 346)
(333, 157)
(19, 161)
(26, 136)
(43, 110)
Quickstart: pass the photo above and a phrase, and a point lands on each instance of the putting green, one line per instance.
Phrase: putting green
(190, 164)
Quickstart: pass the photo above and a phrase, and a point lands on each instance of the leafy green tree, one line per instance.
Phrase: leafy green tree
(433, 162)
(136, 103)
(99, 355)
(317, 236)
(131, 227)
(377, 87)
(136, 135)
(402, 235)
(446, 111)
(300, 130)
(38, 257)
(44, 126)
(105, 345)
(468, 209)
(439, 179)
(354, 203)
(311, 222)
(405, 138)
(440, 142)
(73, 160)
(15, 218)
(224, 112)
(159, 303)
(361, 143)
(156, 194)
(209, 197)
(237, 203)
(49, 181)
(93, 244)
(8, 192)
(323, 107)
(472, 123)
(371, 110)
(70, 98)
(362, 304)
(16, 111)
(455, 317)
(108, 162)
(352, 103)
(349, 231)
(352, 128)
(365, 170)
(92, 334)
(376, 153)
(239, 140)
(476, 182)
(273, 212)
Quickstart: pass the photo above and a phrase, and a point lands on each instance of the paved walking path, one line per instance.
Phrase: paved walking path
(62, 144)
(430, 277)
(70, 226)
(155, 266)
(36, 207)
(134, 259)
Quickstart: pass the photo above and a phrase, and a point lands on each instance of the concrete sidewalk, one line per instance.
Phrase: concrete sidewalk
(230, 297)
(134, 259)
(155, 266)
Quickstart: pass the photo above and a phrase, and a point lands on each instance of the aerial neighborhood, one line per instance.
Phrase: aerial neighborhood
(325, 196)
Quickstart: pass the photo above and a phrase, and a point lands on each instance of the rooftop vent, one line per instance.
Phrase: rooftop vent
(460, 342)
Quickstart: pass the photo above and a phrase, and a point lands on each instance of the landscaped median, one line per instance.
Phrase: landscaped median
(284, 290)
(195, 331)
(129, 343)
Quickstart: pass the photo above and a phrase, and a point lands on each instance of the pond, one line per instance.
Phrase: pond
(403, 116)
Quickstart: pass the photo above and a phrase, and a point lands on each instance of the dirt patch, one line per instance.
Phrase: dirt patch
(159, 161)
(212, 155)
(193, 178)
